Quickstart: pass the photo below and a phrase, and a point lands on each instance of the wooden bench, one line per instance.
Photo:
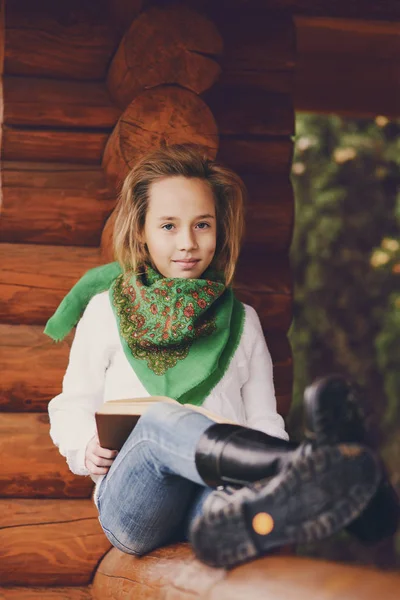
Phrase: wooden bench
(173, 573)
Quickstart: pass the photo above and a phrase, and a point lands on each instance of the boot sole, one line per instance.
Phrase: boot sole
(316, 496)
(332, 421)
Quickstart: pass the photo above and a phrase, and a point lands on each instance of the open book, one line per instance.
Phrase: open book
(115, 419)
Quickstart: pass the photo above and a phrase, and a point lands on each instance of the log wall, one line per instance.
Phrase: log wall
(55, 201)
(48, 542)
(88, 87)
(175, 573)
(79, 110)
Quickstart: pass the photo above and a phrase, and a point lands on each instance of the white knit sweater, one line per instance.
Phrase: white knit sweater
(99, 371)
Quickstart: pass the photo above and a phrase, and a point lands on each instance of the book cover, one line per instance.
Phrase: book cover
(115, 419)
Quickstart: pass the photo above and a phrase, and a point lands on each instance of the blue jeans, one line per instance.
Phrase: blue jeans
(153, 491)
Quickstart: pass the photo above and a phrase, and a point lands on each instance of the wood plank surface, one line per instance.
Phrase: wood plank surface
(174, 572)
(256, 154)
(32, 466)
(269, 212)
(255, 39)
(189, 63)
(33, 283)
(39, 102)
(43, 593)
(244, 110)
(53, 216)
(32, 367)
(34, 279)
(53, 145)
(356, 9)
(49, 542)
(333, 55)
(71, 40)
(54, 203)
(265, 284)
(55, 176)
(165, 114)
(122, 12)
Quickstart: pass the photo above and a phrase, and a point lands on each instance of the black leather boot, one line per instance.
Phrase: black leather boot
(232, 454)
(333, 415)
(315, 495)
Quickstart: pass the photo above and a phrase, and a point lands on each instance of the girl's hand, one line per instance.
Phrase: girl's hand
(98, 460)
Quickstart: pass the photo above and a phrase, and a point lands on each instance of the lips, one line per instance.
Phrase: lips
(188, 263)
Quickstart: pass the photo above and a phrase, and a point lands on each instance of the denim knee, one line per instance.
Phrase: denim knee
(125, 538)
(160, 412)
(131, 546)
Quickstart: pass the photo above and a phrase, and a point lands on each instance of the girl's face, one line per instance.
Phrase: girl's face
(180, 227)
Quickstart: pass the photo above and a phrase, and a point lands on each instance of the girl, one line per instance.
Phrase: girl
(163, 320)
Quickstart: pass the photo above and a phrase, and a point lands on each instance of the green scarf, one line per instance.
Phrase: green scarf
(179, 335)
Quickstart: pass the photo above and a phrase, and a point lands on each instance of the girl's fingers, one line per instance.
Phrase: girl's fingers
(95, 470)
(101, 462)
(105, 453)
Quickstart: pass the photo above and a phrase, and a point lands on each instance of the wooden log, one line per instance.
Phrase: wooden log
(284, 403)
(273, 309)
(32, 466)
(32, 284)
(281, 353)
(263, 273)
(53, 145)
(189, 63)
(257, 155)
(2, 42)
(255, 39)
(26, 386)
(164, 114)
(32, 368)
(250, 110)
(269, 216)
(49, 542)
(270, 81)
(265, 283)
(54, 215)
(283, 381)
(269, 212)
(2, 36)
(348, 37)
(333, 52)
(346, 93)
(362, 9)
(173, 572)
(263, 278)
(70, 40)
(57, 176)
(36, 102)
(122, 12)
(259, 47)
(42, 593)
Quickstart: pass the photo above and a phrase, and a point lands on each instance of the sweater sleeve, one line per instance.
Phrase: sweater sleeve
(258, 392)
(72, 420)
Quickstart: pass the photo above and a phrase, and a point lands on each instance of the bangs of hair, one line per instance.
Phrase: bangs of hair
(189, 161)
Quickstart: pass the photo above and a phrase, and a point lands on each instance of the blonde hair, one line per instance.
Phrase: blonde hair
(187, 161)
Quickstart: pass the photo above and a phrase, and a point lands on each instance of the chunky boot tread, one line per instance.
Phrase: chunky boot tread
(316, 496)
(333, 416)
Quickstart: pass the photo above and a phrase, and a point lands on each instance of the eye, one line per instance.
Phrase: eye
(203, 225)
(167, 227)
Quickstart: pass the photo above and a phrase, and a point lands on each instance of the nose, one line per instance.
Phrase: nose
(187, 240)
